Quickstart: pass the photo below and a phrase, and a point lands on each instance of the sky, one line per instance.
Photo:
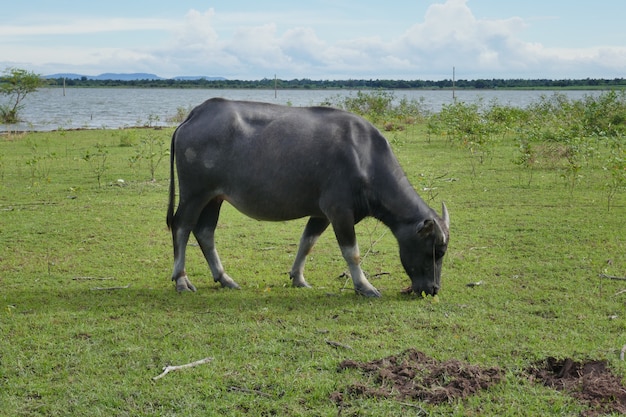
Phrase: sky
(318, 39)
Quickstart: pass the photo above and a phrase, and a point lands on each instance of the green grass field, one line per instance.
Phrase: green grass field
(88, 314)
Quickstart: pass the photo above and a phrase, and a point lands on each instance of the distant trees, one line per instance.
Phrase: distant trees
(17, 83)
(305, 83)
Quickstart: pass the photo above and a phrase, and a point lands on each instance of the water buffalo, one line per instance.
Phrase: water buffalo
(281, 163)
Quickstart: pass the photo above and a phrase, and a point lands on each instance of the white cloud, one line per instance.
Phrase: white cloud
(303, 46)
(81, 26)
(242, 46)
(197, 29)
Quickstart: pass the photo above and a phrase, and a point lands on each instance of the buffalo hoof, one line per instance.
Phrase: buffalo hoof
(227, 282)
(368, 292)
(298, 281)
(183, 284)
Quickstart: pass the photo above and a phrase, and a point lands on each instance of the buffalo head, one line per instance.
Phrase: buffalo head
(422, 247)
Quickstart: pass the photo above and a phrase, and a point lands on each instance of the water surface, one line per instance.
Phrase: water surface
(94, 108)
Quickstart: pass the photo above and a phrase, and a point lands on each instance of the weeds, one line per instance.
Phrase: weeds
(526, 158)
(565, 135)
(382, 108)
(180, 115)
(575, 157)
(152, 149)
(97, 160)
(615, 168)
(127, 137)
(467, 126)
(152, 121)
(39, 163)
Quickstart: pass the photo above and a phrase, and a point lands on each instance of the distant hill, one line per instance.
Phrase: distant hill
(198, 77)
(127, 77)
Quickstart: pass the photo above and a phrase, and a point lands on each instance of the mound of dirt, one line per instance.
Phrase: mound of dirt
(591, 382)
(413, 375)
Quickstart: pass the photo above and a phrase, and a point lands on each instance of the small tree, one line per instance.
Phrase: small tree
(17, 83)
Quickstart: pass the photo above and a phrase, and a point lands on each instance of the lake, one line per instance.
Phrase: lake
(95, 108)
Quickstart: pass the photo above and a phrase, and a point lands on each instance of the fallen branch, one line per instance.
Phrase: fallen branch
(612, 277)
(110, 288)
(168, 369)
(622, 353)
(338, 345)
(620, 292)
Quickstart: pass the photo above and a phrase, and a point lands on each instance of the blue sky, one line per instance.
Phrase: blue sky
(318, 39)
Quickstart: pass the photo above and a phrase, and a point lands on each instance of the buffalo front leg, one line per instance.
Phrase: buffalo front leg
(205, 235)
(346, 237)
(314, 228)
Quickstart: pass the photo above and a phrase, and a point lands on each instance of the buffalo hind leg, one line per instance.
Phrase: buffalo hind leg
(186, 215)
(346, 237)
(204, 231)
(314, 228)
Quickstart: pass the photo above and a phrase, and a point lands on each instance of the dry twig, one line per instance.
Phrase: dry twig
(92, 278)
(110, 288)
(612, 277)
(622, 353)
(338, 345)
(249, 391)
(168, 369)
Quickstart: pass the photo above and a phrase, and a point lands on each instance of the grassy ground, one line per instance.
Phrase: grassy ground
(70, 347)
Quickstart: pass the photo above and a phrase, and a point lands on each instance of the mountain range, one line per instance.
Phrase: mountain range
(129, 77)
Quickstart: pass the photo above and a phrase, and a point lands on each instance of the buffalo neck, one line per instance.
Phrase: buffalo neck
(393, 200)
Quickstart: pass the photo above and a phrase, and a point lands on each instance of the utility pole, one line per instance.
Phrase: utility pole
(453, 83)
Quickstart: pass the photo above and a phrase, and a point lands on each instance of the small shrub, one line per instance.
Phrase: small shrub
(127, 138)
(526, 158)
(152, 149)
(40, 163)
(180, 115)
(97, 160)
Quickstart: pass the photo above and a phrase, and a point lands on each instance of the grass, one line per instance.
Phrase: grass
(68, 348)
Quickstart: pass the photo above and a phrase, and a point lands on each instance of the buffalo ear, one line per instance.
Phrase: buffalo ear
(431, 227)
(426, 228)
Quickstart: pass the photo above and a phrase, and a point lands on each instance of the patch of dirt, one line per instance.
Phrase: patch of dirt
(414, 376)
(591, 382)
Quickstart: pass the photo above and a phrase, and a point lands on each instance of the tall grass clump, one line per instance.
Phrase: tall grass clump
(383, 108)
(571, 135)
(475, 127)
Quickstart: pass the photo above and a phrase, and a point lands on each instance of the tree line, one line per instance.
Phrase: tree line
(305, 83)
